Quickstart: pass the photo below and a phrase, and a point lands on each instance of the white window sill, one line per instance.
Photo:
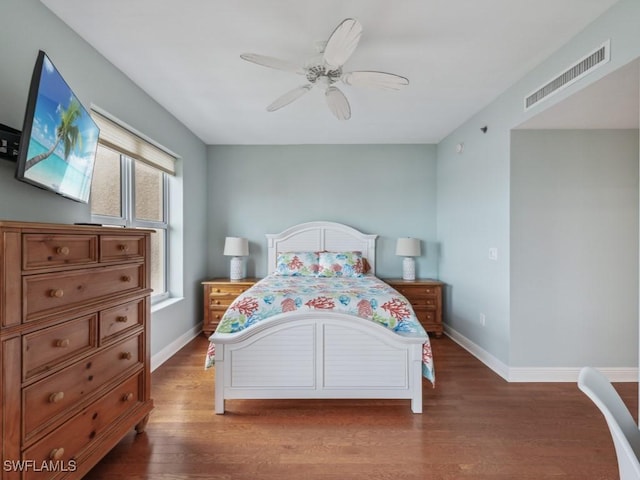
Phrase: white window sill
(165, 303)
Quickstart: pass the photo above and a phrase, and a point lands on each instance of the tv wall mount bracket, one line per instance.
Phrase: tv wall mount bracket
(9, 142)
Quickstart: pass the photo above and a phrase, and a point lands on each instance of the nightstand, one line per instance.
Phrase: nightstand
(218, 295)
(425, 297)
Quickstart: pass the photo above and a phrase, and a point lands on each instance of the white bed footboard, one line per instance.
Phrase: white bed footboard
(317, 355)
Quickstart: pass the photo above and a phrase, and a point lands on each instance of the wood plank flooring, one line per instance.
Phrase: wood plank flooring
(474, 426)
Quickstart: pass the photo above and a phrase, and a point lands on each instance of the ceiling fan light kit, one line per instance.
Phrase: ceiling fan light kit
(326, 69)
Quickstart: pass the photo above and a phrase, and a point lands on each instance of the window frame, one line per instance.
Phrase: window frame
(127, 216)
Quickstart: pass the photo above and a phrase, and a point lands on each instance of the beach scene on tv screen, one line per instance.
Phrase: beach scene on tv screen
(63, 139)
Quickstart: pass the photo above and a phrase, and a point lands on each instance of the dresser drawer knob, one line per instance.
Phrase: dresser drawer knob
(125, 355)
(127, 397)
(122, 319)
(125, 278)
(218, 290)
(56, 293)
(64, 251)
(217, 302)
(56, 397)
(56, 454)
(123, 248)
(62, 342)
(217, 317)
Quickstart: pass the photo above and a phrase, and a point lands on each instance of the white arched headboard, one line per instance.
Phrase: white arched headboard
(320, 236)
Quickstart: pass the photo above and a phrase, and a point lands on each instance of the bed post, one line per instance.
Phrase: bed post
(416, 378)
(219, 384)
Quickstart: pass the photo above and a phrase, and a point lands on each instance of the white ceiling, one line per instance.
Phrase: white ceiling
(457, 54)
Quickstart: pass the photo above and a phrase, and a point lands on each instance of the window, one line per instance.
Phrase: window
(131, 188)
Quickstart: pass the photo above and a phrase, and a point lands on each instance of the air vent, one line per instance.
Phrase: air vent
(584, 66)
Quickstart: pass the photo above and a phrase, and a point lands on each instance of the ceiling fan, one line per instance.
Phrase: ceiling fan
(325, 70)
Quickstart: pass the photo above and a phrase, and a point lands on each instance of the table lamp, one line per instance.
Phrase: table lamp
(408, 247)
(236, 247)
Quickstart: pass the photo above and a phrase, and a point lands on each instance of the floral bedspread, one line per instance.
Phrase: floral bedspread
(367, 297)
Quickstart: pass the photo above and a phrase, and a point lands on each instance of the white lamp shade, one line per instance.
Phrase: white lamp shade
(236, 247)
(408, 247)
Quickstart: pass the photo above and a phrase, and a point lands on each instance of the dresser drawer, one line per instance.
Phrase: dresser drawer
(119, 320)
(44, 251)
(70, 440)
(51, 293)
(121, 247)
(46, 348)
(51, 397)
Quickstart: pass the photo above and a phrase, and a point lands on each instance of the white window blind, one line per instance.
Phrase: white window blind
(125, 141)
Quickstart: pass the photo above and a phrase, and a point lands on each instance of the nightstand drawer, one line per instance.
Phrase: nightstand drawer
(426, 301)
(213, 319)
(417, 291)
(229, 290)
(221, 299)
(425, 316)
(217, 313)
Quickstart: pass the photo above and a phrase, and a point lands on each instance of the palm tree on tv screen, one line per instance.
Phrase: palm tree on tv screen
(67, 132)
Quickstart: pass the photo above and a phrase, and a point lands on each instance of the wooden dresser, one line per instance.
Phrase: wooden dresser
(425, 297)
(218, 295)
(74, 344)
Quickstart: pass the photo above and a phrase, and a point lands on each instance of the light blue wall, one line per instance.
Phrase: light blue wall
(458, 205)
(574, 247)
(389, 190)
(27, 27)
(474, 190)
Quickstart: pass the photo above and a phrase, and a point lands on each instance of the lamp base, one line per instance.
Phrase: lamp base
(236, 268)
(408, 269)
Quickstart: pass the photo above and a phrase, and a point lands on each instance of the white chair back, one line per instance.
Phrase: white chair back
(624, 430)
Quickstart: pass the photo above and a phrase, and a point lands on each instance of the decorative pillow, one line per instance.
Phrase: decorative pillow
(366, 267)
(297, 264)
(341, 264)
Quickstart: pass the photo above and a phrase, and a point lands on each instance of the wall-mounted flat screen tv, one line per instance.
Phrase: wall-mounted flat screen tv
(59, 138)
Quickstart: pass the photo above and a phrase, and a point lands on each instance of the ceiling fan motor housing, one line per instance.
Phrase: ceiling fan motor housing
(316, 73)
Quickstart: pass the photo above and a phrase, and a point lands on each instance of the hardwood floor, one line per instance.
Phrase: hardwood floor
(474, 426)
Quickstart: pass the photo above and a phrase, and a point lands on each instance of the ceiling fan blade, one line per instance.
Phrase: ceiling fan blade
(289, 97)
(382, 80)
(342, 42)
(338, 103)
(273, 63)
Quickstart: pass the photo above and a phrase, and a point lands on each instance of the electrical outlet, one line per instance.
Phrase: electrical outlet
(483, 319)
(493, 253)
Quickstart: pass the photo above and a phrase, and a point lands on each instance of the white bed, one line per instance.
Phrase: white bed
(318, 354)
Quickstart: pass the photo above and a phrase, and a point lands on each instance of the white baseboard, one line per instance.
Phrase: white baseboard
(485, 357)
(170, 350)
(535, 374)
